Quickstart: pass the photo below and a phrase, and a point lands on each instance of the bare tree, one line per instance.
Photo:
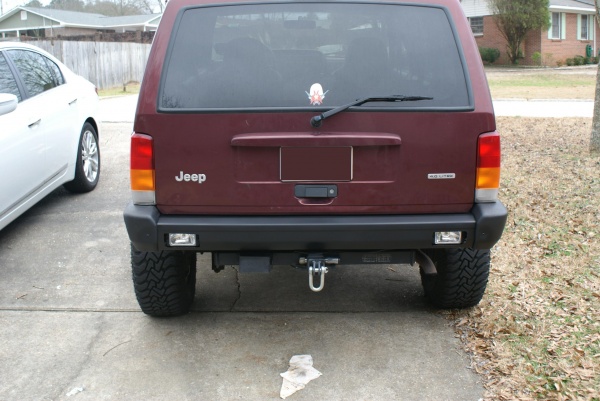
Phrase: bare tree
(152, 6)
(111, 8)
(595, 140)
(115, 8)
(34, 4)
(70, 5)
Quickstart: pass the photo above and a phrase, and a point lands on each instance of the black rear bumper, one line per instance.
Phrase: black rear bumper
(148, 230)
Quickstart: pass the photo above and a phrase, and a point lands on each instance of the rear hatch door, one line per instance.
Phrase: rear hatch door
(241, 83)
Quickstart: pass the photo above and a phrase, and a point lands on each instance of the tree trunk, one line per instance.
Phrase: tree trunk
(595, 140)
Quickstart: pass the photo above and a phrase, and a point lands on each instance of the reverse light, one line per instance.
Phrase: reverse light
(448, 237)
(182, 239)
(142, 170)
(488, 168)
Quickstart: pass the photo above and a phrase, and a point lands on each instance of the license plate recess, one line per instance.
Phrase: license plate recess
(316, 164)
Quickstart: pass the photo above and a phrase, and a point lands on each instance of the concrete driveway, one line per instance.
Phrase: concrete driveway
(70, 327)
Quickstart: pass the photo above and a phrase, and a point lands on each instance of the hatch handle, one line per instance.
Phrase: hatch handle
(315, 191)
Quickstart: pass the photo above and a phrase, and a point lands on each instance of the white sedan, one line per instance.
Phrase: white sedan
(48, 129)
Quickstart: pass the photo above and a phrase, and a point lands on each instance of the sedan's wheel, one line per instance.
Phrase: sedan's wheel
(164, 282)
(87, 164)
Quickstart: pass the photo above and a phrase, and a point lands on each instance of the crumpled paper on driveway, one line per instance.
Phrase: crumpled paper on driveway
(301, 372)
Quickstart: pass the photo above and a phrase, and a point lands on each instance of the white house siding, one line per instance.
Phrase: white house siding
(476, 8)
(480, 8)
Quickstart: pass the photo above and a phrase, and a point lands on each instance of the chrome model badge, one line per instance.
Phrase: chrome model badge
(199, 178)
(441, 176)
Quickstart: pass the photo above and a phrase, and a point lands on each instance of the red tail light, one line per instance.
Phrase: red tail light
(488, 167)
(142, 169)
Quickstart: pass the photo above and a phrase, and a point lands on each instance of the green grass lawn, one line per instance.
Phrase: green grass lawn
(129, 89)
(542, 81)
(542, 84)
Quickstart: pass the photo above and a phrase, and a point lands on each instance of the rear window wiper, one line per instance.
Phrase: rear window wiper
(316, 121)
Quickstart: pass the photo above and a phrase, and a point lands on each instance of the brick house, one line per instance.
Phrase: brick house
(46, 23)
(572, 29)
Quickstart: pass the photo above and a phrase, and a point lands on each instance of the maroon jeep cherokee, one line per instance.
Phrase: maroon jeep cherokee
(313, 133)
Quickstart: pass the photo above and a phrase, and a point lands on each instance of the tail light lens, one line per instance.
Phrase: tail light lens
(142, 170)
(488, 168)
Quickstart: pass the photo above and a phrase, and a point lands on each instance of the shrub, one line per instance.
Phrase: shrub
(489, 54)
(559, 63)
(570, 62)
(579, 60)
(537, 58)
(593, 60)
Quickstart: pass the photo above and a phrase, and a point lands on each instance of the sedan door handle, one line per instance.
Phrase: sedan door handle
(33, 124)
(72, 102)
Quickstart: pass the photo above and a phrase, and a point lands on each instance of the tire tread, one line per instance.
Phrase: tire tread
(164, 282)
(461, 280)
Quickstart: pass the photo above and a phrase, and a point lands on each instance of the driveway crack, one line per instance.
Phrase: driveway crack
(239, 289)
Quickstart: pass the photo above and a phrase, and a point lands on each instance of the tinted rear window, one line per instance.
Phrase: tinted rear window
(304, 55)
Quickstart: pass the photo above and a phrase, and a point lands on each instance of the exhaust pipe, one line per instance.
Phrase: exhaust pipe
(425, 262)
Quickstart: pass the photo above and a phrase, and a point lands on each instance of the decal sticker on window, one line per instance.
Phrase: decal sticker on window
(316, 94)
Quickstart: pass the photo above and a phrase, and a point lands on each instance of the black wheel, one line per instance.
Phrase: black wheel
(461, 279)
(87, 163)
(164, 282)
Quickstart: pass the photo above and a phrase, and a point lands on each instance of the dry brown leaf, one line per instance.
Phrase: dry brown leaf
(539, 318)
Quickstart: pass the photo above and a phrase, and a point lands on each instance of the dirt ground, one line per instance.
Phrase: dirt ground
(542, 83)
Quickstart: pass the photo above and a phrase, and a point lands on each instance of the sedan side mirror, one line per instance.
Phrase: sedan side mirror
(8, 103)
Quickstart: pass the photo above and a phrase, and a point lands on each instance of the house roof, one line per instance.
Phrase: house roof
(87, 20)
(132, 19)
(478, 8)
(587, 2)
(573, 5)
(64, 16)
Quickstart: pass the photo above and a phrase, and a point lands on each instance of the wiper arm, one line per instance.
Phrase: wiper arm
(316, 121)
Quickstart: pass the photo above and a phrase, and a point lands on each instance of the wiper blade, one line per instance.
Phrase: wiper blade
(316, 121)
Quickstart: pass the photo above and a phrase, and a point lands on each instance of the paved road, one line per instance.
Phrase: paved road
(70, 327)
(543, 108)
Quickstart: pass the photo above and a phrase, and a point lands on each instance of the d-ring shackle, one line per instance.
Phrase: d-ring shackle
(317, 268)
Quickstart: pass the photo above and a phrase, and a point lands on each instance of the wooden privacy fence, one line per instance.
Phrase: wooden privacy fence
(106, 64)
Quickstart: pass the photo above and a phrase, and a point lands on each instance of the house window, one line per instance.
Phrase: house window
(558, 26)
(585, 25)
(476, 25)
(36, 33)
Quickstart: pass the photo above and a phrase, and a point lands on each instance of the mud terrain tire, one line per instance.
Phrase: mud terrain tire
(462, 276)
(164, 282)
